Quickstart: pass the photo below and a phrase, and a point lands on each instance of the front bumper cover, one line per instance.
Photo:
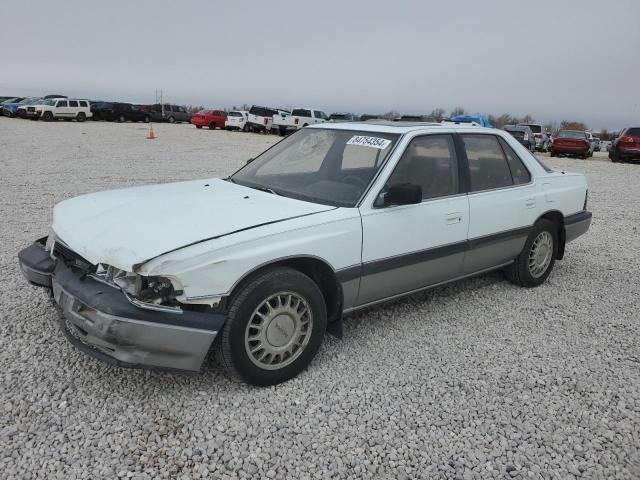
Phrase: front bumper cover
(99, 319)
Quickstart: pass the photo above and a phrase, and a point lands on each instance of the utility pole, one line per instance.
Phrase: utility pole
(160, 101)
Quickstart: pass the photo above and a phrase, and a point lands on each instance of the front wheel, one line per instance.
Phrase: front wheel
(245, 128)
(172, 120)
(81, 117)
(275, 327)
(534, 264)
(47, 117)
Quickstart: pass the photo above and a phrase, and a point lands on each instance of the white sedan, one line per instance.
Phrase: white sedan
(335, 218)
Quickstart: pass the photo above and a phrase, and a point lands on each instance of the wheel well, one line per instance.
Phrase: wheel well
(322, 274)
(557, 218)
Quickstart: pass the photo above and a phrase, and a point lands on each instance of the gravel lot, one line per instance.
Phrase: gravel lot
(480, 379)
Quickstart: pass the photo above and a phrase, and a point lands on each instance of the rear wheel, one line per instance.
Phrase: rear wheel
(122, 119)
(172, 120)
(212, 126)
(553, 154)
(275, 326)
(146, 119)
(534, 264)
(81, 117)
(198, 126)
(245, 128)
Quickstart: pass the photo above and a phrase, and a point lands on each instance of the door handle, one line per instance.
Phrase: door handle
(453, 218)
(530, 202)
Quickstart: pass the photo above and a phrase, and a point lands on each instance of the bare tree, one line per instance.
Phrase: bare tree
(457, 111)
(390, 115)
(572, 125)
(437, 114)
(527, 119)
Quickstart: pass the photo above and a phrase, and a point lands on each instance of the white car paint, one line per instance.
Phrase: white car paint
(236, 122)
(299, 118)
(68, 108)
(215, 235)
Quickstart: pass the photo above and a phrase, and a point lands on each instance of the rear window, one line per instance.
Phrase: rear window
(258, 111)
(572, 134)
(83, 103)
(633, 132)
(535, 128)
(234, 114)
(300, 112)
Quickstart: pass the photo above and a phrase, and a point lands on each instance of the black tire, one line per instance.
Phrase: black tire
(146, 119)
(245, 128)
(553, 154)
(231, 349)
(615, 158)
(81, 117)
(212, 126)
(47, 116)
(172, 120)
(519, 272)
(122, 119)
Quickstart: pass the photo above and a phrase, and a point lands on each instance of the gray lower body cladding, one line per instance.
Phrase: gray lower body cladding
(100, 320)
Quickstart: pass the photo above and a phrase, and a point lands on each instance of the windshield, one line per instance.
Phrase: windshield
(332, 167)
(572, 134)
(534, 128)
(339, 116)
(51, 101)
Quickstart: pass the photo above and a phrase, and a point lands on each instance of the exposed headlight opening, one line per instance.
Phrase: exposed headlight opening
(155, 290)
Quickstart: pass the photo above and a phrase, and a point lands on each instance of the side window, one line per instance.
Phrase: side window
(320, 114)
(430, 161)
(519, 172)
(83, 103)
(61, 103)
(73, 103)
(182, 110)
(488, 166)
(167, 108)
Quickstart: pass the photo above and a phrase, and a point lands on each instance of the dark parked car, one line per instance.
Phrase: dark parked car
(8, 101)
(523, 134)
(119, 112)
(571, 142)
(366, 116)
(342, 117)
(411, 118)
(170, 113)
(10, 108)
(626, 146)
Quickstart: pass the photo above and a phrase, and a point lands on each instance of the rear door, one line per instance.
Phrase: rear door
(504, 202)
(409, 247)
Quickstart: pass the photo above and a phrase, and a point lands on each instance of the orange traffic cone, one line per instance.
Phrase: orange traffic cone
(152, 135)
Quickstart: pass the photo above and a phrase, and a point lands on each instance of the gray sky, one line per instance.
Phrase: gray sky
(573, 60)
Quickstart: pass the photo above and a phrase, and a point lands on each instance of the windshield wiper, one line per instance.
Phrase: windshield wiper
(267, 189)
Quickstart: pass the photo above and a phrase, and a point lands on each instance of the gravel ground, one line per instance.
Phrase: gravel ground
(480, 379)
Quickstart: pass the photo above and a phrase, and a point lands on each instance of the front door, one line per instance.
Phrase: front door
(409, 247)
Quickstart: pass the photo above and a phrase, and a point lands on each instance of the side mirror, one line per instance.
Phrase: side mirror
(403, 194)
(250, 160)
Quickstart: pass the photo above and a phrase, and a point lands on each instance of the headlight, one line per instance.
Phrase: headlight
(157, 290)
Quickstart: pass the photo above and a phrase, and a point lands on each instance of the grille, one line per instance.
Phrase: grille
(69, 257)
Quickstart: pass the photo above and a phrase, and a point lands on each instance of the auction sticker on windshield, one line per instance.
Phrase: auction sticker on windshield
(373, 142)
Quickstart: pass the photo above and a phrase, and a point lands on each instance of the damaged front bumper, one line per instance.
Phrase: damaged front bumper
(99, 319)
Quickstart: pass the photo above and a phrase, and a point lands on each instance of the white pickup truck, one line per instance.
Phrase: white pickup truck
(299, 118)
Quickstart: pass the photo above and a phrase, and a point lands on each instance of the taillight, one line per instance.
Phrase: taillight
(526, 137)
(296, 120)
(266, 121)
(626, 139)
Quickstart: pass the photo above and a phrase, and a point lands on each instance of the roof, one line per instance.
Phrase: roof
(398, 127)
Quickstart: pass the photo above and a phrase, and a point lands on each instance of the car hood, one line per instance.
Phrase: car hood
(127, 227)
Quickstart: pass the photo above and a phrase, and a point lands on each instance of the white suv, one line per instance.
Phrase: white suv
(66, 108)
